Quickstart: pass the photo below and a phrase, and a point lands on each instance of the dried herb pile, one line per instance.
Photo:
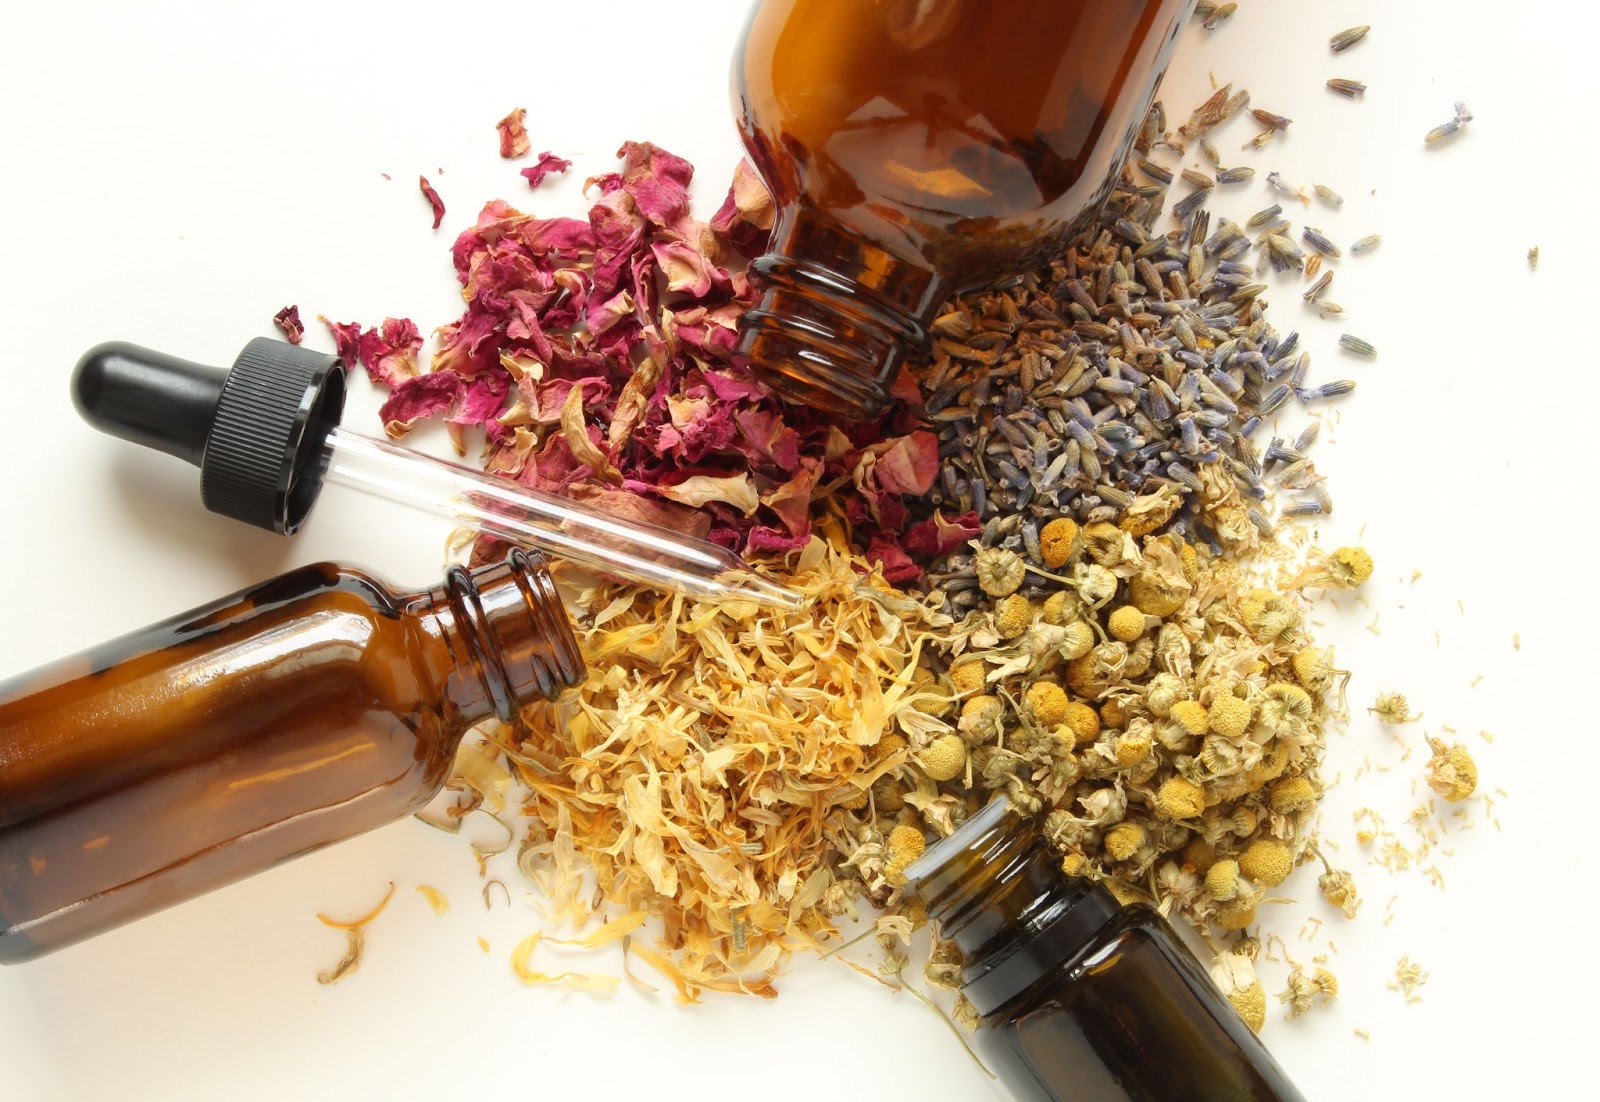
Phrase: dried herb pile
(1071, 495)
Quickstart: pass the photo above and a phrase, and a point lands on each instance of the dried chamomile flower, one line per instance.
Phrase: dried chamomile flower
(1292, 794)
(889, 795)
(1313, 668)
(1099, 670)
(1000, 572)
(1285, 706)
(1268, 616)
(1271, 766)
(1198, 856)
(1124, 893)
(967, 676)
(1148, 512)
(1095, 584)
(1012, 615)
(1060, 607)
(904, 846)
(945, 758)
(1236, 915)
(1303, 989)
(1113, 713)
(1267, 861)
(1056, 541)
(1126, 623)
(1124, 840)
(1180, 798)
(1132, 747)
(1451, 771)
(1229, 715)
(1163, 582)
(1083, 721)
(1104, 543)
(1047, 703)
(1343, 568)
(1163, 692)
(1191, 715)
(1077, 640)
(1235, 976)
(1075, 864)
(1223, 881)
(1392, 708)
(981, 719)
(1339, 888)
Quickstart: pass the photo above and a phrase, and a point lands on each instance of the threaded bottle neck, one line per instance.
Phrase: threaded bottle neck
(995, 888)
(837, 318)
(509, 634)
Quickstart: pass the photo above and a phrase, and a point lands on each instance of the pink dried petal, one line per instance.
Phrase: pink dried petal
(687, 270)
(513, 135)
(908, 465)
(418, 397)
(389, 353)
(647, 510)
(549, 165)
(792, 500)
(746, 216)
(657, 180)
(619, 231)
(770, 442)
(897, 566)
(936, 536)
(288, 320)
(433, 200)
(483, 397)
(346, 340)
(765, 540)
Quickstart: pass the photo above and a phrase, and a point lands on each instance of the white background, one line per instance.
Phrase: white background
(174, 173)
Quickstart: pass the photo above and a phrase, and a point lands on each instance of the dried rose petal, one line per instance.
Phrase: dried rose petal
(288, 320)
(418, 397)
(513, 135)
(433, 200)
(549, 164)
(389, 353)
(746, 216)
(657, 180)
(346, 340)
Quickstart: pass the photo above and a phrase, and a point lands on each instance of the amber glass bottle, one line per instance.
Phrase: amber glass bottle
(1082, 999)
(300, 712)
(916, 148)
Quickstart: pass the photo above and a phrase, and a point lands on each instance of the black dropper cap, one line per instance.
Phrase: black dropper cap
(255, 430)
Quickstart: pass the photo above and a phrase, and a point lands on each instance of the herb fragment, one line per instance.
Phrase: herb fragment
(433, 199)
(355, 940)
(288, 322)
(513, 134)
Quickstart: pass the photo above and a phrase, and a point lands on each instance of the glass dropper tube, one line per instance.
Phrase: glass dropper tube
(518, 514)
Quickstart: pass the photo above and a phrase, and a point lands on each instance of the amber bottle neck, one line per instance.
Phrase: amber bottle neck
(996, 889)
(508, 636)
(838, 315)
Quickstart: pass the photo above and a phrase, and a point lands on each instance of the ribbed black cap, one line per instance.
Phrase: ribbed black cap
(256, 430)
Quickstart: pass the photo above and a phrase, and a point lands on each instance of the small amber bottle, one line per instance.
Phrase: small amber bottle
(1082, 999)
(297, 713)
(916, 148)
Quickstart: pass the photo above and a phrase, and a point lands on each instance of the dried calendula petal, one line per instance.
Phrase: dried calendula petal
(1452, 773)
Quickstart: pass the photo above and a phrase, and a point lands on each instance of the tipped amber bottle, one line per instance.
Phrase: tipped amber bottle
(916, 148)
(1082, 999)
(297, 713)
